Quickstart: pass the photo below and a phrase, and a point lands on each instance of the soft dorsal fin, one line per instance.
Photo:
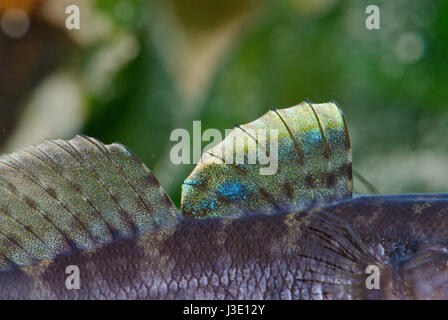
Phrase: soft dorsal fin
(314, 164)
(79, 194)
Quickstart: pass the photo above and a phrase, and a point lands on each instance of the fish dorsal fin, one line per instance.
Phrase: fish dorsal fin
(79, 194)
(314, 164)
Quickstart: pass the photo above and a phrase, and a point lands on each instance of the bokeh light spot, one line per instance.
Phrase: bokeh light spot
(15, 23)
(410, 47)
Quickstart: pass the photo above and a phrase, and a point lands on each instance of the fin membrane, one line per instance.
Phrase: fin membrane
(79, 194)
(313, 164)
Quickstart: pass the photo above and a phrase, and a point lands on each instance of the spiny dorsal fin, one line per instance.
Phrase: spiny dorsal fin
(314, 164)
(78, 194)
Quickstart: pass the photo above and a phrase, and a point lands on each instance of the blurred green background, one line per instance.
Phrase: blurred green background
(138, 69)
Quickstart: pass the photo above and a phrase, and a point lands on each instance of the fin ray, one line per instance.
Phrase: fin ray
(62, 196)
(314, 165)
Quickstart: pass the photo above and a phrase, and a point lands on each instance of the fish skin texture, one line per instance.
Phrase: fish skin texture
(319, 253)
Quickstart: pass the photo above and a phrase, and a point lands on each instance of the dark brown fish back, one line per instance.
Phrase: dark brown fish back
(318, 253)
(301, 255)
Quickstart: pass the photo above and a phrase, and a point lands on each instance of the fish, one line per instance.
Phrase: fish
(83, 220)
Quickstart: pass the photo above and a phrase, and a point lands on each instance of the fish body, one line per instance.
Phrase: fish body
(318, 253)
(84, 220)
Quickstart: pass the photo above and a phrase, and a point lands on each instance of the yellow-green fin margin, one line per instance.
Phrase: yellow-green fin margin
(314, 165)
(78, 194)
